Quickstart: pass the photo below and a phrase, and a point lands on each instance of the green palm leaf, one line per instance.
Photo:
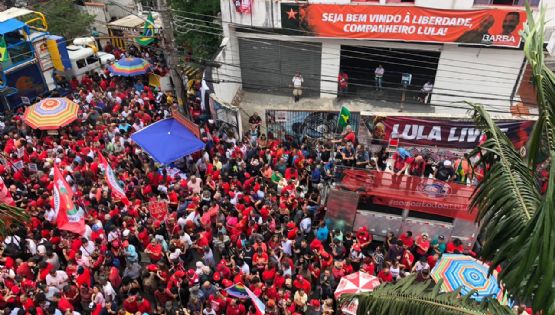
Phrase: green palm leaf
(517, 221)
(11, 214)
(407, 297)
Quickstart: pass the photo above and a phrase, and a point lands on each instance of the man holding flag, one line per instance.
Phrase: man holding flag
(117, 191)
(70, 218)
(343, 125)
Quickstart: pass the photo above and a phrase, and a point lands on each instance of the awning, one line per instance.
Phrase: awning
(167, 141)
(410, 192)
(12, 25)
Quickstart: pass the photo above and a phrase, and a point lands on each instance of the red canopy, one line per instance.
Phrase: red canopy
(414, 193)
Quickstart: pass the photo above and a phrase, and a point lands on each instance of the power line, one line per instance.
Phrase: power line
(308, 44)
(336, 93)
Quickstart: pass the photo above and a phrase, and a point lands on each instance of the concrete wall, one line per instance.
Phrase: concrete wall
(229, 70)
(264, 13)
(102, 17)
(331, 55)
(481, 75)
(120, 8)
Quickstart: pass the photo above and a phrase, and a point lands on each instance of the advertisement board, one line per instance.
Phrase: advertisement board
(495, 26)
(29, 83)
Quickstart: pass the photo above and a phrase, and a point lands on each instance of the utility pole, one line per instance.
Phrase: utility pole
(170, 52)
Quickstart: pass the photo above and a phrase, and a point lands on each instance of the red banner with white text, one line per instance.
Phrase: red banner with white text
(495, 27)
(410, 192)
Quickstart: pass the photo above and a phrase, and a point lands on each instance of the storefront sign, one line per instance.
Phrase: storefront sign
(410, 192)
(436, 132)
(496, 27)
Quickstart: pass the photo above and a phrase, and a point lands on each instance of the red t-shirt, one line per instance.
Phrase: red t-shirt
(350, 137)
(385, 277)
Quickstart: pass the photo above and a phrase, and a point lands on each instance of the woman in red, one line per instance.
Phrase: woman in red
(422, 245)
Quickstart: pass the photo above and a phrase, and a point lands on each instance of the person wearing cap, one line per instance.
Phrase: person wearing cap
(439, 245)
(445, 171)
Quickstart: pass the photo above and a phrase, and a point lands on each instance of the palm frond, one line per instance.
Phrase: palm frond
(542, 139)
(507, 197)
(528, 260)
(10, 214)
(407, 297)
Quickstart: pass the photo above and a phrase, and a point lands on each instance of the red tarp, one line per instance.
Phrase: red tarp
(413, 193)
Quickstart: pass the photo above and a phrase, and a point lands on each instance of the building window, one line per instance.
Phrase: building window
(533, 3)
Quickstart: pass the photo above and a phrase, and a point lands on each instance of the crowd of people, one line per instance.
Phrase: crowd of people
(244, 211)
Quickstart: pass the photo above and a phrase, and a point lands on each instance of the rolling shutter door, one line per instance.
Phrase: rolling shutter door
(269, 65)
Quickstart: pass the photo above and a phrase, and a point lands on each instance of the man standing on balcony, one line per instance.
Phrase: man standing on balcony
(378, 75)
(297, 86)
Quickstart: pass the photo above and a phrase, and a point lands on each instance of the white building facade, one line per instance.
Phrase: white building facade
(469, 49)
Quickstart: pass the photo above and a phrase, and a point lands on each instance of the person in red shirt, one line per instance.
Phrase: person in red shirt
(422, 245)
(455, 246)
(155, 250)
(407, 239)
(144, 305)
(343, 82)
(235, 308)
(385, 275)
(364, 239)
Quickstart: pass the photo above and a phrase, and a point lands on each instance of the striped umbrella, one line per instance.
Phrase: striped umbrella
(129, 67)
(51, 113)
(355, 283)
(467, 273)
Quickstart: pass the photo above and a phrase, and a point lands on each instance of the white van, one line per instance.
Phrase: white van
(84, 57)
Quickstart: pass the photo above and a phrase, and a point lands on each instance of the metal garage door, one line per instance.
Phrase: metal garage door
(269, 65)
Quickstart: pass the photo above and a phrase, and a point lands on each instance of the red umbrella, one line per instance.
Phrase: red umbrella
(355, 283)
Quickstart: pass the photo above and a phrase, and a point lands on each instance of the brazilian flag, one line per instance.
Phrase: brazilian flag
(3, 50)
(148, 32)
(344, 117)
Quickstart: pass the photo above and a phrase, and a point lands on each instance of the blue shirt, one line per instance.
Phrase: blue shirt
(322, 233)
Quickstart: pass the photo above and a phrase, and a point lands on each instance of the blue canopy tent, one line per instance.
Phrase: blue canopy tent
(167, 140)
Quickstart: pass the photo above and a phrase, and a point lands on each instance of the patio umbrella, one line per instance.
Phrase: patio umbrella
(467, 273)
(355, 283)
(130, 67)
(51, 113)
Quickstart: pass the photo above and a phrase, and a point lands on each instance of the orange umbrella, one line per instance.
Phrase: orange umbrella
(51, 113)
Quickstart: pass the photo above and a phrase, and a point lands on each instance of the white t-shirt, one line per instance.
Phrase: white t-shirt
(297, 81)
(59, 280)
(379, 72)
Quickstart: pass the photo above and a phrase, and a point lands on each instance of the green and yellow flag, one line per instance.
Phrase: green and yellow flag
(148, 32)
(344, 116)
(3, 50)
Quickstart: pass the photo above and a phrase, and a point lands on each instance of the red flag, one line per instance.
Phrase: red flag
(117, 190)
(70, 218)
(5, 195)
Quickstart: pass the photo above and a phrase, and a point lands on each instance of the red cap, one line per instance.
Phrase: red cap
(227, 283)
(217, 276)
(152, 267)
(315, 302)
(291, 225)
(356, 247)
(191, 272)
